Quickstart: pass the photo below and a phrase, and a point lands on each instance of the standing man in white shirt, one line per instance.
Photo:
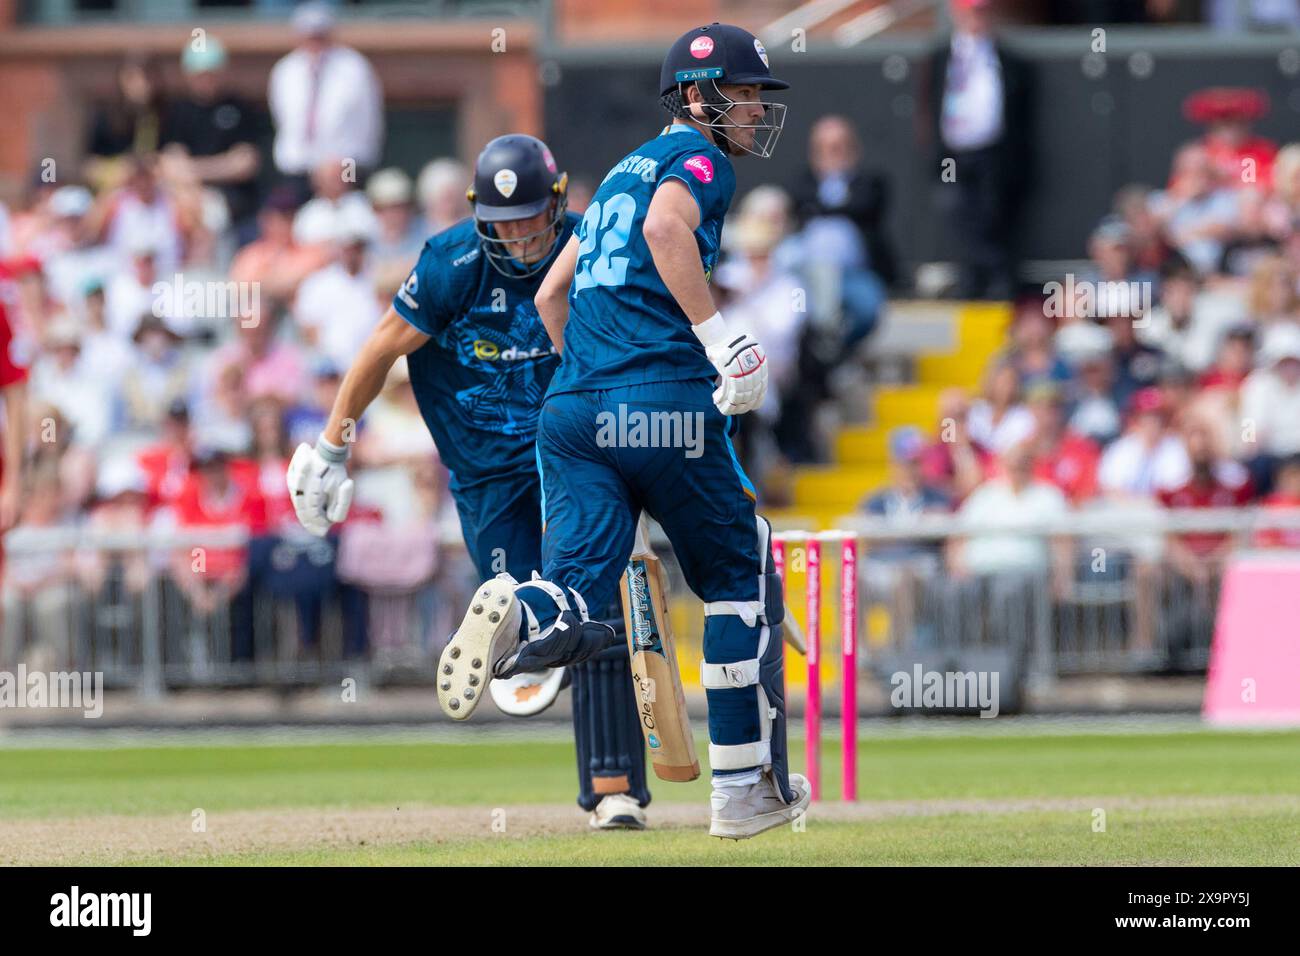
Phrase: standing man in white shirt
(325, 99)
(980, 114)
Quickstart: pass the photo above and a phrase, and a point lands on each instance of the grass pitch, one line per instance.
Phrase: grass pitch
(1160, 798)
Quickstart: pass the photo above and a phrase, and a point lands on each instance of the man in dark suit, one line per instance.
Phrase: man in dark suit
(979, 109)
(836, 184)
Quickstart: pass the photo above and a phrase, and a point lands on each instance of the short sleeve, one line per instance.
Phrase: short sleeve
(10, 372)
(418, 301)
(708, 177)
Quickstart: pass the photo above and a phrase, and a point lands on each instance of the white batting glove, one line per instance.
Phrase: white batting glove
(319, 485)
(741, 363)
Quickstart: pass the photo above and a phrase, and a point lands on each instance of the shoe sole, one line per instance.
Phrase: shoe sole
(488, 632)
(753, 826)
(619, 823)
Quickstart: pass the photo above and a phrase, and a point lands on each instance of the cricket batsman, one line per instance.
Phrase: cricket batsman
(628, 303)
(480, 362)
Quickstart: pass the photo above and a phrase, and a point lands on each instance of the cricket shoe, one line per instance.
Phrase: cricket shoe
(618, 811)
(488, 633)
(746, 811)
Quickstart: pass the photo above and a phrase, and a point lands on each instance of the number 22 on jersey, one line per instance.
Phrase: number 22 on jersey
(604, 230)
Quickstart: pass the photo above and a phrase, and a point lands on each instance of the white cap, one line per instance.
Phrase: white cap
(355, 222)
(439, 175)
(389, 187)
(71, 201)
(118, 476)
(1282, 341)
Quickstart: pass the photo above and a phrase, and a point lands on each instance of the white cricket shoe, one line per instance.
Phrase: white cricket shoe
(527, 694)
(746, 811)
(488, 633)
(618, 811)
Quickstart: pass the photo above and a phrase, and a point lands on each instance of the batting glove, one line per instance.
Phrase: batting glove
(741, 364)
(319, 485)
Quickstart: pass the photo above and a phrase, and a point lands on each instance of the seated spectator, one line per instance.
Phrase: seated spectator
(128, 124)
(1061, 456)
(398, 238)
(336, 205)
(1238, 158)
(336, 308)
(75, 261)
(218, 494)
(1186, 323)
(1271, 295)
(209, 135)
(1270, 404)
(1148, 457)
(906, 496)
(1252, 241)
(1213, 482)
(60, 379)
(121, 506)
(1114, 276)
(1197, 211)
(274, 259)
(158, 376)
(166, 463)
(953, 461)
(1032, 352)
(1146, 243)
(305, 420)
(1234, 362)
(271, 451)
(269, 366)
(130, 292)
(142, 215)
(837, 184)
(1285, 498)
(1282, 210)
(440, 190)
(1177, 385)
(1136, 364)
(999, 420)
(105, 355)
(1022, 505)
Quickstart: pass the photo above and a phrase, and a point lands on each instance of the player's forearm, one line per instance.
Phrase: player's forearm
(677, 259)
(553, 309)
(361, 386)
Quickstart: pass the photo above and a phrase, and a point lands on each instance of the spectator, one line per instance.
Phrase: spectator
(1095, 414)
(1282, 210)
(906, 496)
(128, 125)
(1136, 364)
(1285, 498)
(837, 184)
(336, 308)
(1270, 404)
(1272, 293)
(999, 420)
(1024, 506)
(1252, 242)
(1237, 157)
(77, 261)
(141, 215)
(325, 100)
(979, 98)
(166, 463)
(1147, 244)
(105, 356)
(275, 260)
(130, 292)
(271, 451)
(157, 377)
(399, 237)
(441, 192)
(59, 379)
(1198, 213)
(209, 135)
(1061, 456)
(120, 507)
(1186, 323)
(953, 461)
(336, 204)
(1148, 457)
(305, 420)
(269, 366)
(1032, 352)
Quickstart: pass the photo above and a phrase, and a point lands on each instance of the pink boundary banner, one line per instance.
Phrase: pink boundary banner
(1256, 648)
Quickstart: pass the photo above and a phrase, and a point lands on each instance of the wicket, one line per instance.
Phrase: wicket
(848, 560)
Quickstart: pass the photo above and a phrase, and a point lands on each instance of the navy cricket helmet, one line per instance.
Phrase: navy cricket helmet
(515, 177)
(719, 55)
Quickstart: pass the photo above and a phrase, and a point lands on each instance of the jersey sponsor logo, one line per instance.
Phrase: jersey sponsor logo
(491, 352)
(407, 292)
(701, 47)
(700, 168)
(759, 49)
(641, 166)
(505, 181)
(461, 260)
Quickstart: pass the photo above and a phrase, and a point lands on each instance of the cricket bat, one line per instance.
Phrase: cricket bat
(657, 683)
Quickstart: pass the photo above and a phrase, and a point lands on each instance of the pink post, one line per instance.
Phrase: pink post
(849, 667)
(813, 633)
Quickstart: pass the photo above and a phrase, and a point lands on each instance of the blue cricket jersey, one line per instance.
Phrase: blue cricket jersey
(480, 379)
(625, 327)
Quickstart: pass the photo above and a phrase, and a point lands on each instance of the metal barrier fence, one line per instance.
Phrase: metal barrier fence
(1116, 591)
